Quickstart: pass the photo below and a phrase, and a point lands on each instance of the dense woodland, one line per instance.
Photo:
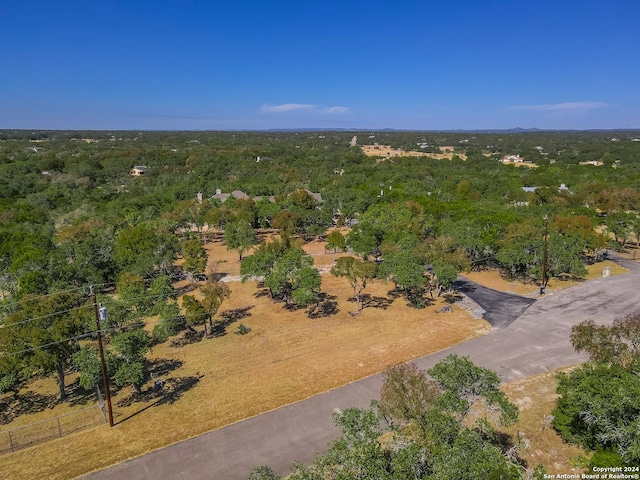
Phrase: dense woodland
(73, 216)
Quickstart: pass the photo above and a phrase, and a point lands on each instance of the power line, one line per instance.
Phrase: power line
(133, 322)
(59, 312)
(38, 297)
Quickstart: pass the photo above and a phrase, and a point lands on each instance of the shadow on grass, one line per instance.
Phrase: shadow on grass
(452, 297)
(13, 406)
(326, 307)
(172, 390)
(369, 301)
(263, 292)
(187, 338)
(79, 395)
(219, 328)
(162, 366)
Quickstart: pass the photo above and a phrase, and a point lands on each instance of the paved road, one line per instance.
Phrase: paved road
(536, 342)
(500, 308)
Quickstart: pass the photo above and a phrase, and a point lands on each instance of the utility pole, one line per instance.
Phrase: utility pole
(105, 379)
(543, 285)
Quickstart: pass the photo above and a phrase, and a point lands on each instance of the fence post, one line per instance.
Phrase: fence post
(59, 428)
(10, 440)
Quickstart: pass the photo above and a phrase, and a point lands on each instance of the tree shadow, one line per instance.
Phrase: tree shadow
(219, 328)
(219, 275)
(163, 366)
(12, 407)
(369, 301)
(78, 395)
(171, 391)
(396, 292)
(190, 287)
(326, 307)
(263, 292)
(452, 297)
(187, 338)
(415, 299)
(174, 388)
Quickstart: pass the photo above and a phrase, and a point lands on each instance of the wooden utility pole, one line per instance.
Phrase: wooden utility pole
(543, 285)
(105, 379)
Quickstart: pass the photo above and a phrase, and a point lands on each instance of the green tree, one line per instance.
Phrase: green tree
(444, 274)
(41, 334)
(132, 291)
(364, 240)
(263, 259)
(405, 270)
(407, 394)
(195, 257)
(87, 360)
(618, 343)
(444, 448)
(522, 249)
(305, 288)
(465, 385)
(599, 408)
(214, 293)
(130, 349)
(239, 236)
(335, 242)
(292, 272)
(358, 272)
(620, 225)
(162, 293)
(263, 472)
(195, 313)
(143, 249)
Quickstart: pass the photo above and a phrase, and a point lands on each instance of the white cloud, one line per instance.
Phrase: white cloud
(561, 107)
(286, 107)
(303, 107)
(335, 110)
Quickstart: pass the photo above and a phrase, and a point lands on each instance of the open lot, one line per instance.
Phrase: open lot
(218, 381)
(388, 152)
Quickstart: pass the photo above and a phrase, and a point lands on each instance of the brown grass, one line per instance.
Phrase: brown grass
(536, 397)
(494, 279)
(388, 152)
(214, 382)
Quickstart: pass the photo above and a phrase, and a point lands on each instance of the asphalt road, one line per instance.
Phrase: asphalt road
(500, 308)
(535, 342)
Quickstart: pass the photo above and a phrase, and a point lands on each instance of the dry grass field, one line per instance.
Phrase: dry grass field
(535, 397)
(213, 382)
(387, 152)
(494, 279)
(286, 357)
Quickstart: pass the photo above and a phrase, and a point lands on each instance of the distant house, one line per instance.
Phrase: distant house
(316, 196)
(138, 170)
(238, 194)
(512, 159)
(592, 162)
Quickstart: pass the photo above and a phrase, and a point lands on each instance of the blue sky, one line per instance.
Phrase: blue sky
(241, 64)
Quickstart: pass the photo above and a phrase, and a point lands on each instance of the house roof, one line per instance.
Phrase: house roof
(316, 196)
(239, 194)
